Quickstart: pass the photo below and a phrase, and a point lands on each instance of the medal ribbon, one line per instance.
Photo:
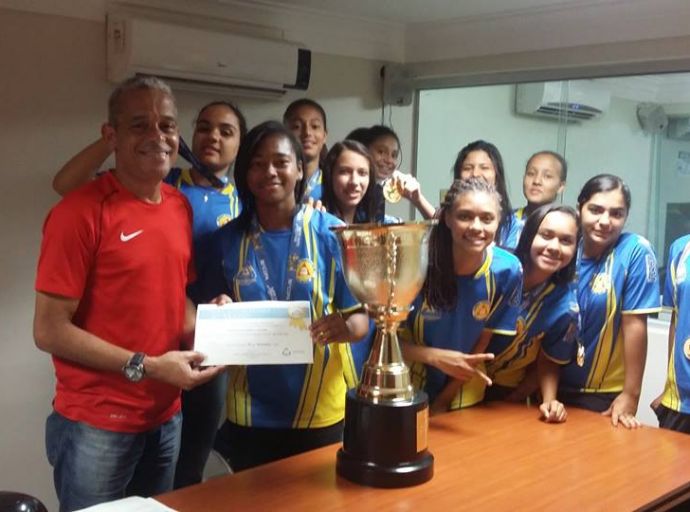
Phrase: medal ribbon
(294, 252)
(187, 154)
(313, 181)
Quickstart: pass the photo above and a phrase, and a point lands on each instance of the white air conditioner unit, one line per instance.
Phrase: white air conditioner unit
(574, 101)
(197, 58)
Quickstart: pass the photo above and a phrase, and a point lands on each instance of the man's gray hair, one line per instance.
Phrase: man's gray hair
(132, 84)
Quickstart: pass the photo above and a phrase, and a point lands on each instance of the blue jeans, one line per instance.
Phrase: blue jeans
(92, 465)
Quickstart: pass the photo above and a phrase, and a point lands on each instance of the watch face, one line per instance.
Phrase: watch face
(134, 369)
(134, 373)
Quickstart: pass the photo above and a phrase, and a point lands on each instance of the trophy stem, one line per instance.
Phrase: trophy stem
(385, 376)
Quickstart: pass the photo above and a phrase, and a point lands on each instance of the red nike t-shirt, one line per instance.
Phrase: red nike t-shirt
(128, 262)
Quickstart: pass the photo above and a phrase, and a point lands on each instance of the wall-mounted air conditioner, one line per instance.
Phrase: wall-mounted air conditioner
(198, 58)
(575, 100)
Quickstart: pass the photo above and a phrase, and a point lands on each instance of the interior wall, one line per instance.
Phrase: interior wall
(53, 96)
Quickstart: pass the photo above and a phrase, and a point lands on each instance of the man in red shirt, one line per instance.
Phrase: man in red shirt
(111, 309)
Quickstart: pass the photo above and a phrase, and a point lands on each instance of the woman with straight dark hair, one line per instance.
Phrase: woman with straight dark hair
(482, 159)
(281, 249)
(617, 288)
(472, 291)
(306, 119)
(548, 323)
(349, 183)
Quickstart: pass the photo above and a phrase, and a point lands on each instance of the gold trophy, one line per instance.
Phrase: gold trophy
(386, 420)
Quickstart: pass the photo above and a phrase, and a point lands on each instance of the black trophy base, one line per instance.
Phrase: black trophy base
(384, 445)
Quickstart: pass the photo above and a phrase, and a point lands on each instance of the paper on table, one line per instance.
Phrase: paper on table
(131, 504)
(261, 332)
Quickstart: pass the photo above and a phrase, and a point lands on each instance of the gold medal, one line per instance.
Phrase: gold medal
(391, 189)
(580, 358)
(686, 348)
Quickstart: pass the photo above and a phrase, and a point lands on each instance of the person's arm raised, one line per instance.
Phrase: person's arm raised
(82, 167)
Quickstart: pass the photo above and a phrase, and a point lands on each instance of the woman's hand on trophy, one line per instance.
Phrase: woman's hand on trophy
(459, 365)
(339, 328)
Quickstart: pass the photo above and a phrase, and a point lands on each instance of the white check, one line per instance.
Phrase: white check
(262, 332)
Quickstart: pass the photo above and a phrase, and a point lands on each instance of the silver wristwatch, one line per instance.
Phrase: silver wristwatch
(134, 369)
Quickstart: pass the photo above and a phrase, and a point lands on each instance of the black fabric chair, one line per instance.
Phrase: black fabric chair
(19, 502)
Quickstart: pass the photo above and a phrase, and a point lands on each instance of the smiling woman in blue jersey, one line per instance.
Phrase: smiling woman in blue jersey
(383, 145)
(547, 327)
(306, 119)
(472, 290)
(278, 410)
(349, 183)
(617, 288)
(218, 130)
(673, 406)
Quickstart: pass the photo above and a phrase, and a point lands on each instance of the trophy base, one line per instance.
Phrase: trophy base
(384, 445)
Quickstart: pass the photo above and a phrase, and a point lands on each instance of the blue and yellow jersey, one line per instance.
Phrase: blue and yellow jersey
(622, 281)
(488, 299)
(286, 396)
(548, 322)
(212, 208)
(677, 296)
(509, 234)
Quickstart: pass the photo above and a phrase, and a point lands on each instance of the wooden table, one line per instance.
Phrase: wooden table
(489, 457)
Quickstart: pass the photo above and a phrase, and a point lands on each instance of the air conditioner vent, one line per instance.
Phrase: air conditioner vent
(574, 101)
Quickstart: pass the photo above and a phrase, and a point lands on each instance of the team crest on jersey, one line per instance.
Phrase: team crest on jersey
(223, 219)
(304, 271)
(601, 283)
(686, 348)
(480, 311)
(245, 276)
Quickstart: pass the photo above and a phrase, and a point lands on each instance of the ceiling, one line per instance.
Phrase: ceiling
(401, 12)
(421, 11)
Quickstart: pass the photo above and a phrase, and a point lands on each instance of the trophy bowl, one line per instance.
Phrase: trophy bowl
(386, 420)
(385, 265)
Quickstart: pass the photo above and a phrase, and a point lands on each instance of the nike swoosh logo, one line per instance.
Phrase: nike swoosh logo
(127, 238)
